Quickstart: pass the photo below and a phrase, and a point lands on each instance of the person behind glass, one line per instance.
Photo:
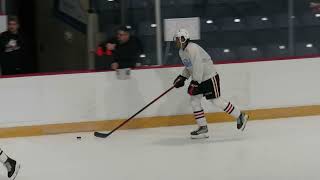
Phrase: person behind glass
(126, 49)
(12, 49)
(315, 6)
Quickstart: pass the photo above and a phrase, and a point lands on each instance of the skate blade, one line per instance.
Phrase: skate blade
(245, 122)
(200, 136)
(14, 175)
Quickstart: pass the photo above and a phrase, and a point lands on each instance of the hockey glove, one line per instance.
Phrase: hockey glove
(179, 81)
(194, 88)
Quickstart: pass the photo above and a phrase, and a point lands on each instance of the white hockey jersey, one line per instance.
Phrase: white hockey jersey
(197, 62)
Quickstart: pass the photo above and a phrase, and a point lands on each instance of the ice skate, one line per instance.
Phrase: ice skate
(13, 168)
(242, 121)
(200, 133)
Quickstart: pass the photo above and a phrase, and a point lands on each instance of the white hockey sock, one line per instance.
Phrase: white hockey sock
(200, 118)
(198, 110)
(227, 107)
(232, 110)
(3, 157)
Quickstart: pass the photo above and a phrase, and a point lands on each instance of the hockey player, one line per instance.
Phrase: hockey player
(204, 82)
(11, 165)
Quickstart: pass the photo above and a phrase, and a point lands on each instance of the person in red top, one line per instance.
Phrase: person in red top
(315, 6)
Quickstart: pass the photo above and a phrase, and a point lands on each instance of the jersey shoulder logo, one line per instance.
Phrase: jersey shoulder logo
(187, 63)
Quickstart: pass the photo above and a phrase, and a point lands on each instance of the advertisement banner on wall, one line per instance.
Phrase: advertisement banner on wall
(2, 7)
(72, 12)
(3, 23)
(74, 9)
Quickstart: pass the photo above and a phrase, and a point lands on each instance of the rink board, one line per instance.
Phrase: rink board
(53, 104)
(153, 122)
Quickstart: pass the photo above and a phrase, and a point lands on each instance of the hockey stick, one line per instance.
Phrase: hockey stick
(104, 135)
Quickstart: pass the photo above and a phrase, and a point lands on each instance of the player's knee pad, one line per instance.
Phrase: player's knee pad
(220, 102)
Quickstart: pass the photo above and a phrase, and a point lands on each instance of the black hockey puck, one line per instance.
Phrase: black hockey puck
(79, 137)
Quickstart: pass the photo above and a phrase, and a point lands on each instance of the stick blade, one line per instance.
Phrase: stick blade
(101, 135)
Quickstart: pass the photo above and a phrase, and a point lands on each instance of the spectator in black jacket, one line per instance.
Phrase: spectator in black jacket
(126, 49)
(13, 49)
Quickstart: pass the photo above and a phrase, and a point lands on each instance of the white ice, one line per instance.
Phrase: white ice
(281, 149)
